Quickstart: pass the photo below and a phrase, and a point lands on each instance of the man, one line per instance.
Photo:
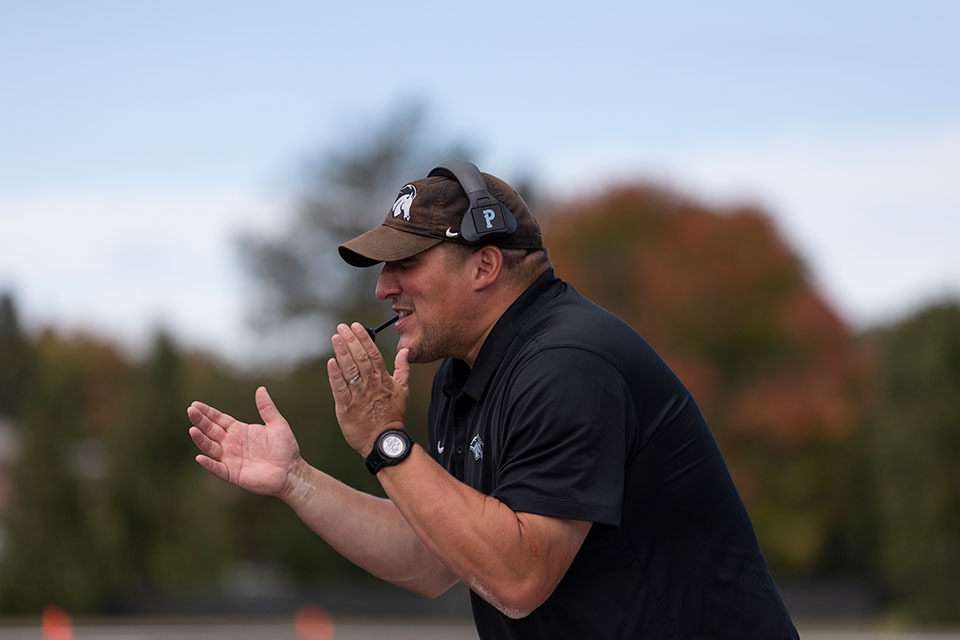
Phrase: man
(569, 479)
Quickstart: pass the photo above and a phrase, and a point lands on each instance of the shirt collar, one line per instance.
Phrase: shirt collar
(501, 336)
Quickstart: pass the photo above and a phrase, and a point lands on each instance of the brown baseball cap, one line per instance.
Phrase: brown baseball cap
(429, 211)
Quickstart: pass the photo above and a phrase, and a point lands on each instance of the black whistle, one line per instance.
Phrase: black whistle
(373, 332)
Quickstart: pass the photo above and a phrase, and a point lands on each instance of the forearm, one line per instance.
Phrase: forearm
(513, 560)
(491, 548)
(367, 530)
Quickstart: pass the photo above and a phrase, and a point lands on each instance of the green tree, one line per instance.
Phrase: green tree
(168, 534)
(16, 360)
(916, 441)
(56, 551)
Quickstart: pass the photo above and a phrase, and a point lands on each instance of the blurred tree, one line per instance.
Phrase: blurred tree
(168, 534)
(16, 360)
(730, 307)
(58, 535)
(916, 442)
(275, 534)
(304, 287)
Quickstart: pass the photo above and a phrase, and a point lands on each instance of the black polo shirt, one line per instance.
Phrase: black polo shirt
(569, 413)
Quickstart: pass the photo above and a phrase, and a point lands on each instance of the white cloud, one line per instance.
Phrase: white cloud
(121, 263)
(876, 216)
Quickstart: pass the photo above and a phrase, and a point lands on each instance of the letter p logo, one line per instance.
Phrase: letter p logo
(488, 219)
(488, 216)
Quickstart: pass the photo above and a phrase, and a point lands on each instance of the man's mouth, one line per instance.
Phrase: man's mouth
(403, 314)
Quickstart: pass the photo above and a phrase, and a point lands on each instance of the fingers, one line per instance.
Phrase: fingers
(368, 345)
(216, 417)
(268, 410)
(215, 467)
(199, 415)
(338, 384)
(212, 451)
(401, 368)
(355, 352)
(346, 366)
(210, 447)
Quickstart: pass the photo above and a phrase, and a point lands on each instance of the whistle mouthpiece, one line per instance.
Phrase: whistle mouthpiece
(373, 332)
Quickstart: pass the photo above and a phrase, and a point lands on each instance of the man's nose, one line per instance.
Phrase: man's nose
(387, 283)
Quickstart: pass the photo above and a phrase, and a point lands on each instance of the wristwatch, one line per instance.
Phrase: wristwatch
(392, 447)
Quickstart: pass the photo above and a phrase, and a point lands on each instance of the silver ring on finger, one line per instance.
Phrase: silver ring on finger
(354, 380)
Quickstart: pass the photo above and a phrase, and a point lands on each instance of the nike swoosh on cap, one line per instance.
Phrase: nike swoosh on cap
(451, 233)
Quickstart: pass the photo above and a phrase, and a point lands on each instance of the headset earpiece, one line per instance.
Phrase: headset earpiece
(485, 217)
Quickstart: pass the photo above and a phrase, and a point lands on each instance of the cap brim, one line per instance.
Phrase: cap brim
(384, 244)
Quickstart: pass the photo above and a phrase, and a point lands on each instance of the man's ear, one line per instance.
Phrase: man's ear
(487, 266)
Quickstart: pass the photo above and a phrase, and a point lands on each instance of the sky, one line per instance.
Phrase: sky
(137, 140)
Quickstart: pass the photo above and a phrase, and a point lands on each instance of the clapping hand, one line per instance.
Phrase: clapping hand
(368, 399)
(261, 458)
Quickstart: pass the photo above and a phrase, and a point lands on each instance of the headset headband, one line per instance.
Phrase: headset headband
(485, 217)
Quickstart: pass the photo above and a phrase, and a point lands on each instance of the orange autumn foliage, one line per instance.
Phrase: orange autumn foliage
(731, 308)
(724, 300)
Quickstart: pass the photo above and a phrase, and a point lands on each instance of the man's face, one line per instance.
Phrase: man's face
(428, 291)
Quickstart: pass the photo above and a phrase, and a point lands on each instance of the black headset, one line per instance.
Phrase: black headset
(485, 217)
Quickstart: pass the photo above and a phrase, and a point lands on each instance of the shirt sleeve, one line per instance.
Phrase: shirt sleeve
(565, 425)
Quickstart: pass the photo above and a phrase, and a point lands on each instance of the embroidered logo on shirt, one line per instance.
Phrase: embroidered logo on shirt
(476, 447)
(439, 447)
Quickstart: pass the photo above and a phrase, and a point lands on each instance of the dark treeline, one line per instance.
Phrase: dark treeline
(842, 445)
(103, 501)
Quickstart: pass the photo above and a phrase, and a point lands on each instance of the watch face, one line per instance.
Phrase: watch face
(393, 446)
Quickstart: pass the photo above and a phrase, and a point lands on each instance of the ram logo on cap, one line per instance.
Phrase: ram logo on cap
(404, 201)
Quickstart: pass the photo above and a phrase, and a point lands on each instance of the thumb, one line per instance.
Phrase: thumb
(401, 368)
(268, 410)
